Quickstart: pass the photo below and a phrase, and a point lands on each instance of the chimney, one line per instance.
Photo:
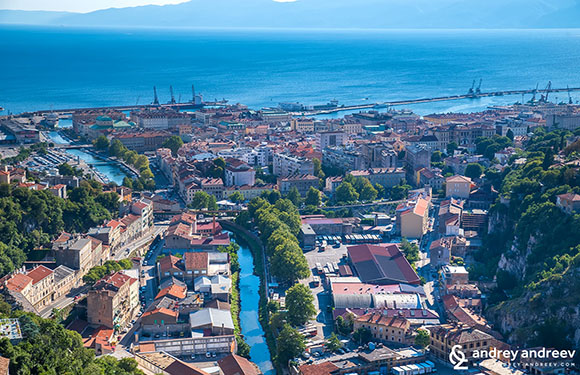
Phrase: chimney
(213, 227)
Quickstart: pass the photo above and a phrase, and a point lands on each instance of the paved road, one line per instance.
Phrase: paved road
(126, 250)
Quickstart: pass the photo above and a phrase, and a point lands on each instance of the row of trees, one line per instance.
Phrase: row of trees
(32, 218)
(279, 223)
(116, 148)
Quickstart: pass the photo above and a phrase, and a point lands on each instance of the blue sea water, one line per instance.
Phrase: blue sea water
(43, 68)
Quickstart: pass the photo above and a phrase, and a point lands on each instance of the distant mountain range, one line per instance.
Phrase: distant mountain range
(361, 14)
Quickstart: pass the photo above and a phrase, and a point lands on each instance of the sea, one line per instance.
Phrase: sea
(61, 67)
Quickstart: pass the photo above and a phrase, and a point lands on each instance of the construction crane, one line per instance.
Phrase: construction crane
(155, 98)
(544, 97)
(172, 101)
(478, 89)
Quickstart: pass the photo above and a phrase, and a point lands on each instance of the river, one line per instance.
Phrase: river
(249, 321)
(108, 169)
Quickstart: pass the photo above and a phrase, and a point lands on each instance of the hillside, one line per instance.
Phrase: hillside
(364, 14)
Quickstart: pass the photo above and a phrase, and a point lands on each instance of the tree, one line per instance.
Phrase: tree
(173, 143)
(422, 338)
(333, 343)
(202, 200)
(473, 170)
(237, 197)
(101, 143)
(436, 157)
(127, 182)
(362, 335)
(243, 219)
(290, 344)
(294, 196)
(344, 325)
(451, 147)
(288, 263)
(300, 304)
(345, 193)
(280, 236)
(312, 197)
(116, 148)
(318, 168)
(380, 190)
(400, 191)
(510, 134)
(411, 251)
(66, 169)
(368, 192)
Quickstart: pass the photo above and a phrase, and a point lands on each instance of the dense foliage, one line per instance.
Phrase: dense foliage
(109, 267)
(31, 218)
(48, 348)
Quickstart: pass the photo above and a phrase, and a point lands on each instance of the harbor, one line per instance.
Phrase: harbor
(101, 169)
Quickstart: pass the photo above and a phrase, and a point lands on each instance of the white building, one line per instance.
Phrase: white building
(288, 165)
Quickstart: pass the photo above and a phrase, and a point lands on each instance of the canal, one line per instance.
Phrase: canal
(106, 168)
(249, 321)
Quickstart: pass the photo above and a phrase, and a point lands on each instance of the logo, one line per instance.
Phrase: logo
(457, 358)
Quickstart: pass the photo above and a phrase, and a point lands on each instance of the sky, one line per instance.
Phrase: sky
(80, 6)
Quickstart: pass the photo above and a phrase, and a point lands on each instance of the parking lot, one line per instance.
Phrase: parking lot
(322, 299)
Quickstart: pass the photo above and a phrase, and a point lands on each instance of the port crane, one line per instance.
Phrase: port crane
(193, 94)
(569, 96)
(534, 92)
(470, 91)
(172, 101)
(155, 98)
(478, 89)
(544, 97)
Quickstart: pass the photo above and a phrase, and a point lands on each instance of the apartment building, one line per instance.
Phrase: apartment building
(288, 165)
(387, 177)
(302, 183)
(458, 187)
(79, 253)
(113, 301)
(330, 138)
(383, 328)
(445, 337)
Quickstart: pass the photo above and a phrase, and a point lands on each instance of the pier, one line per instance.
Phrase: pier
(471, 94)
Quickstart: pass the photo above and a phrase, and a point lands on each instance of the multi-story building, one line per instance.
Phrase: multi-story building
(331, 138)
(143, 141)
(387, 177)
(160, 119)
(383, 328)
(413, 217)
(302, 125)
(113, 301)
(80, 253)
(238, 173)
(445, 337)
(288, 165)
(301, 182)
(458, 187)
(342, 158)
(417, 157)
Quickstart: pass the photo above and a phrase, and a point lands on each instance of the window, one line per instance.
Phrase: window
(196, 272)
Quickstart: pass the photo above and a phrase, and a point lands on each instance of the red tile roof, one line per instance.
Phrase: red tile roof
(196, 261)
(236, 365)
(39, 273)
